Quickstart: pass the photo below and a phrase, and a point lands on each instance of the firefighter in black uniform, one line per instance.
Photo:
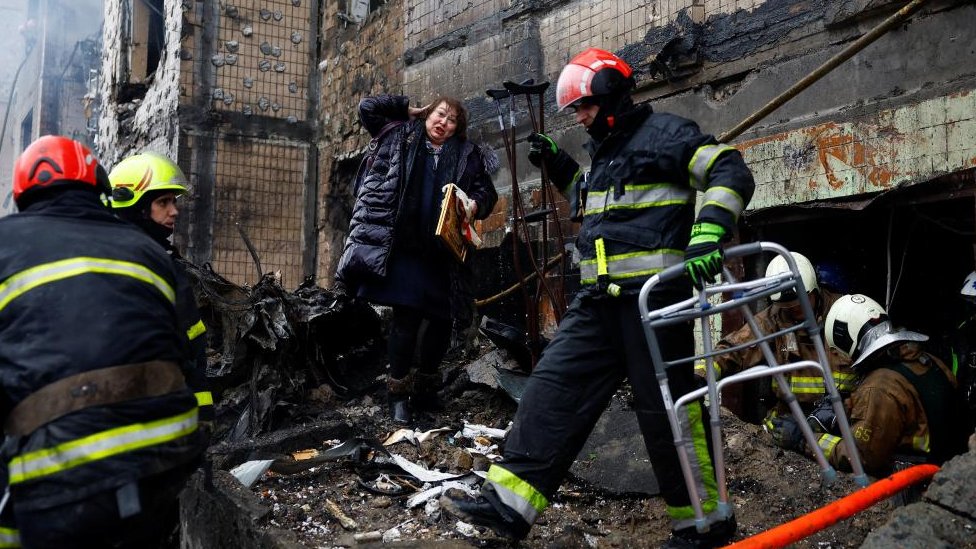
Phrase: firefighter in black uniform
(101, 429)
(144, 192)
(637, 206)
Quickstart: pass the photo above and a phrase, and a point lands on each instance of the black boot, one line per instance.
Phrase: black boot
(398, 391)
(720, 534)
(487, 510)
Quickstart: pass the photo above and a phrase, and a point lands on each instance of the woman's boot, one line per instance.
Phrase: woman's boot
(398, 392)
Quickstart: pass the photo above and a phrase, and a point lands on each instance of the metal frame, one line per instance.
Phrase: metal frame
(741, 295)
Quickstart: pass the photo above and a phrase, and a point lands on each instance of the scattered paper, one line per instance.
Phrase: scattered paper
(420, 472)
(473, 431)
(415, 437)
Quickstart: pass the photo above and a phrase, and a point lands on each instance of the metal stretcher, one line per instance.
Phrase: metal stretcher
(739, 296)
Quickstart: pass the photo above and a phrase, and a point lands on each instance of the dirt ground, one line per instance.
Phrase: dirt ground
(766, 485)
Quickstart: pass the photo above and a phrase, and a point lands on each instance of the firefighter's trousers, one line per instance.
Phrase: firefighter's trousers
(600, 342)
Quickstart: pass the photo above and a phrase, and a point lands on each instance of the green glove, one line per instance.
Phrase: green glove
(703, 256)
(541, 147)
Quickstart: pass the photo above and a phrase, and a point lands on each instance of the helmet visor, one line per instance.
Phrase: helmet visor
(574, 84)
(881, 336)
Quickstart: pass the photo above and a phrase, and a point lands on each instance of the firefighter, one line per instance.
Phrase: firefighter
(145, 188)
(785, 312)
(962, 347)
(101, 430)
(905, 403)
(637, 205)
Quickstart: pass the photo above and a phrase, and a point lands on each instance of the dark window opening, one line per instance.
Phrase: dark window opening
(148, 39)
(27, 130)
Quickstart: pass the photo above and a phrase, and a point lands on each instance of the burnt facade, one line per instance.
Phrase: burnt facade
(50, 75)
(257, 100)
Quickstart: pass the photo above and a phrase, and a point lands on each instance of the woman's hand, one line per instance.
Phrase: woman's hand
(416, 112)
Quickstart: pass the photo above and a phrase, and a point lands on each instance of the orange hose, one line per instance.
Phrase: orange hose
(841, 509)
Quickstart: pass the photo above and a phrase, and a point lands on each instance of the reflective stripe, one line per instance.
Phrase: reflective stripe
(28, 279)
(68, 455)
(9, 537)
(921, 443)
(815, 385)
(845, 381)
(632, 264)
(827, 444)
(700, 463)
(204, 398)
(196, 330)
(516, 493)
(637, 197)
(601, 258)
(701, 164)
(725, 198)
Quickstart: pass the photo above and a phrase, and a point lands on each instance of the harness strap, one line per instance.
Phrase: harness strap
(93, 388)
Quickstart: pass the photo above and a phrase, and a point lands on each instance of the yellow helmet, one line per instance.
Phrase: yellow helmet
(136, 175)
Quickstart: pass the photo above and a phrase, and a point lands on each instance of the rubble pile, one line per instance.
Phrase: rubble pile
(279, 358)
(305, 438)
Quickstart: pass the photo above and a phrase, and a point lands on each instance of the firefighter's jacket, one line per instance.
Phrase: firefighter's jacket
(81, 290)
(638, 199)
(903, 406)
(807, 384)
(193, 328)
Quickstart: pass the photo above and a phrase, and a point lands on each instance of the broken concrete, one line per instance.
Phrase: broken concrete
(945, 518)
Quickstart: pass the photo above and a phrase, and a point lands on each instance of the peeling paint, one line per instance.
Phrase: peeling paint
(903, 146)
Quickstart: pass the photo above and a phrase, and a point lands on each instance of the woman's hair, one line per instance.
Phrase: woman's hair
(461, 131)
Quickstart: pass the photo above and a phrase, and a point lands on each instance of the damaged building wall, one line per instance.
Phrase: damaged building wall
(13, 17)
(139, 104)
(358, 59)
(58, 47)
(233, 102)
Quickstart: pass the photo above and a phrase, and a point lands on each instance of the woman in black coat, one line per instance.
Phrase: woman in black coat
(392, 256)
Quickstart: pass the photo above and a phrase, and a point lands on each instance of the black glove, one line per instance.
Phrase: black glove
(785, 432)
(703, 256)
(541, 147)
(823, 419)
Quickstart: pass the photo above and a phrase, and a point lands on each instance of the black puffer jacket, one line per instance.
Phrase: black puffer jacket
(379, 198)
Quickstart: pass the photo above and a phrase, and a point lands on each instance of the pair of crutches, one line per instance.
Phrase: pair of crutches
(739, 295)
(553, 290)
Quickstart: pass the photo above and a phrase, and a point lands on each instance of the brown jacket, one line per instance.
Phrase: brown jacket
(806, 384)
(886, 415)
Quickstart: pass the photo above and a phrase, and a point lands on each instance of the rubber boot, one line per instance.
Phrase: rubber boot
(398, 392)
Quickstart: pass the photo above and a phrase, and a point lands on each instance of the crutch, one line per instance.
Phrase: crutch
(699, 308)
(518, 222)
(557, 295)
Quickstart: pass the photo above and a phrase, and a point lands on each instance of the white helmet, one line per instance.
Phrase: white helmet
(807, 274)
(968, 290)
(858, 326)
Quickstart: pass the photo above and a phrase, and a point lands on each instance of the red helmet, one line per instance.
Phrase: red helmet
(54, 160)
(592, 72)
